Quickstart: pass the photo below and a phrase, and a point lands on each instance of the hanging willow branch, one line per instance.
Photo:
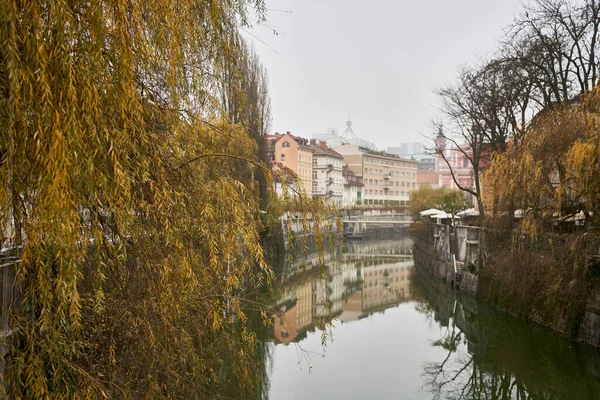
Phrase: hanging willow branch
(129, 260)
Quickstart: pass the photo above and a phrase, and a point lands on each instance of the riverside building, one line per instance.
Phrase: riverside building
(387, 178)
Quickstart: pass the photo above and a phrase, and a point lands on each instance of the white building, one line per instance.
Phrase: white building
(407, 149)
(327, 179)
(285, 181)
(334, 139)
(353, 188)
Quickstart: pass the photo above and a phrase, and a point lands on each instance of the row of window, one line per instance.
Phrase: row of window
(394, 183)
(374, 160)
(390, 279)
(383, 271)
(389, 192)
(390, 173)
(326, 161)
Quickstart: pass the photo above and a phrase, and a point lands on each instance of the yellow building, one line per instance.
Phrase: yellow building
(295, 153)
(387, 178)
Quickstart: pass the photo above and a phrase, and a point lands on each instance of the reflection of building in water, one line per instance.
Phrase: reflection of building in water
(288, 324)
(285, 326)
(304, 304)
(374, 275)
(379, 247)
(383, 285)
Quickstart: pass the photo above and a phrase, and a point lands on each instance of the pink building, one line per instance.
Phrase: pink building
(461, 167)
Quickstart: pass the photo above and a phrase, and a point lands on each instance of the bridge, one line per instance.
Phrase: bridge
(361, 223)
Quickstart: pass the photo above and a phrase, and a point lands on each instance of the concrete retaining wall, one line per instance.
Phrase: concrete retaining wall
(440, 265)
(434, 254)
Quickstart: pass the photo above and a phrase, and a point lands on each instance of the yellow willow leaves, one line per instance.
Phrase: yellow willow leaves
(138, 212)
(555, 170)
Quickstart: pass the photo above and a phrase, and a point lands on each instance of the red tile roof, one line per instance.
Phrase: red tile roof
(323, 149)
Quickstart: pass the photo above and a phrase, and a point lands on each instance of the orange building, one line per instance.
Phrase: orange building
(295, 153)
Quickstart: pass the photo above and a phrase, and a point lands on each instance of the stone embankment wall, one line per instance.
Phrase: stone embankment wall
(435, 256)
(543, 283)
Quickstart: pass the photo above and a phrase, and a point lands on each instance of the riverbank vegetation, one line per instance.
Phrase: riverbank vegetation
(526, 119)
(131, 172)
(444, 199)
(529, 110)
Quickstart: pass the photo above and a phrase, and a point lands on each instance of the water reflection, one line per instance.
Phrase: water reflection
(363, 278)
(427, 339)
(491, 355)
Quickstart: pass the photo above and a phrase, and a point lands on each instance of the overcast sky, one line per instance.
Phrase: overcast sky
(376, 62)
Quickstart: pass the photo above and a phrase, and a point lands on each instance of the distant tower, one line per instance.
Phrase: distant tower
(440, 140)
(349, 133)
(440, 148)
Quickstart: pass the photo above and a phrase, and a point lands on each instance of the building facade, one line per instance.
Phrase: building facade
(353, 188)
(460, 167)
(327, 179)
(387, 178)
(295, 153)
(407, 149)
(284, 181)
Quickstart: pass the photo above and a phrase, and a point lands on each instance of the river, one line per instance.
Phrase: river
(370, 325)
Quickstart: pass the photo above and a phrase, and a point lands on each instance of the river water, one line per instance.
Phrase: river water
(369, 325)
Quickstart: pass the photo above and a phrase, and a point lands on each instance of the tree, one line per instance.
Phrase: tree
(556, 44)
(245, 97)
(464, 129)
(426, 197)
(132, 194)
(554, 172)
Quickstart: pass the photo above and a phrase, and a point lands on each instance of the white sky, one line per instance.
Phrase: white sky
(376, 62)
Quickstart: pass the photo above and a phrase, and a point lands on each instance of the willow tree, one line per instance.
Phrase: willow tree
(136, 221)
(555, 170)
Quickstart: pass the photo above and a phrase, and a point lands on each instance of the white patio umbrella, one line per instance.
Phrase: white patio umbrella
(469, 212)
(429, 212)
(443, 215)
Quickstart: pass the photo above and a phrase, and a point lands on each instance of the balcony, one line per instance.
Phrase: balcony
(330, 193)
(329, 181)
(329, 166)
(387, 184)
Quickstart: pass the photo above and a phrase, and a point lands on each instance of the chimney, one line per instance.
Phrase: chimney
(313, 141)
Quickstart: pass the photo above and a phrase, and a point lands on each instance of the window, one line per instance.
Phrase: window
(283, 157)
(465, 162)
(285, 144)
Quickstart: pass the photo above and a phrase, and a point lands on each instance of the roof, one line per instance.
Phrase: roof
(351, 178)
(283, 172)
(302, 142)
(375, 153)
(322, 149)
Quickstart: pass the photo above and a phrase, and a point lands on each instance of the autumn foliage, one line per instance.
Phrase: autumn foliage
(133, 195)
(554, 171)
